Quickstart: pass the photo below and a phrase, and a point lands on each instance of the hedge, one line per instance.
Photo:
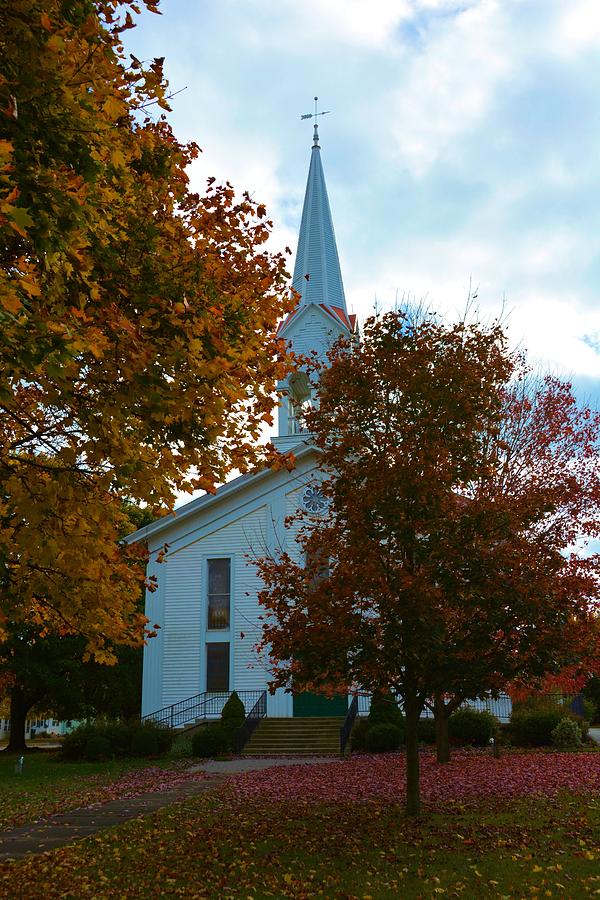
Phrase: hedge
(472, 726)
(117, 739)
(211, 740)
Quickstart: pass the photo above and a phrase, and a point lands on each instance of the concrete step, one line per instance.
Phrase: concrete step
(264, 742)
(302, 722)
(291, 737)
(296, 752)
(308, 729)
(314, 732)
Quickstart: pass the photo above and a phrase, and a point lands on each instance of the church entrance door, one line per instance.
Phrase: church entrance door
(317, 705)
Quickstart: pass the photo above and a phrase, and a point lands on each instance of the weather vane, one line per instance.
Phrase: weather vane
(315, 116)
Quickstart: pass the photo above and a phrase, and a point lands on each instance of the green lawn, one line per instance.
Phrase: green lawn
(49, 785)
(215, 847)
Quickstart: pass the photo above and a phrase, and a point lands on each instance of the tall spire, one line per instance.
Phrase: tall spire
(317, 274)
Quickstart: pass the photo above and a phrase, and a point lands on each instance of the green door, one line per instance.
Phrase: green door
(318, 705)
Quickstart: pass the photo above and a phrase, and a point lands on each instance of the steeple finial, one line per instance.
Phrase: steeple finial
(315, 116)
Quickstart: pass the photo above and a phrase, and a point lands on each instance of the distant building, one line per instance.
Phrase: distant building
(39, 726)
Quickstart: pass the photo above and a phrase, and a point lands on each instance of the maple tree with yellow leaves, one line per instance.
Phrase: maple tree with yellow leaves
(138, 356)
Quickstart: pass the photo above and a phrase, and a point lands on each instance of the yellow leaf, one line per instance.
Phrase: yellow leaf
(117, 158)
(55, 43)
(6, 149)
(113, 107)
(32, 287)
(11, 302)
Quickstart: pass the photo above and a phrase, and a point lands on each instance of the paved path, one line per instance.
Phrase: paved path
(595, 733)
(61, 829)
(251, 763)
(64, 828)
(46, 744)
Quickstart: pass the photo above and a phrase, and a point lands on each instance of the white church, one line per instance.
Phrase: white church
(206, 602)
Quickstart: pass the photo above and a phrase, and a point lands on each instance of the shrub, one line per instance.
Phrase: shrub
(73, 744)
(182, 748)
(582, 724)
(589, 710)
(591, 692)
(472, 726)
(383, 738)
(426, 731)
(144, 742)
(566, 734)
(122, 739)
(232, 715)
(97, 748)
(119, 734)
(164, 736)
(384, 709)
(211, 740)
(359, 734)
(534, 727)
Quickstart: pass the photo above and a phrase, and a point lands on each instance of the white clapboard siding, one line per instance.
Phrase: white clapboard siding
(253, 536)
(185, 607)
(292, 502)
(154, 648)
(315, 331)
(182, 629)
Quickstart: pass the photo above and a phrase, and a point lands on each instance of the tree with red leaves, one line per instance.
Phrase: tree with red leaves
(519, 522)
(445, 574)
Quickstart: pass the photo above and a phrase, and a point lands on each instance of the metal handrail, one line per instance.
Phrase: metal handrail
(245, 731)
(348, 723)
(200, 706)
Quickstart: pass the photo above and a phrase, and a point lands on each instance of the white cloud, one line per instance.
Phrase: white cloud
(450, 85)
(354, 20)
(463, 144)
(578, 29)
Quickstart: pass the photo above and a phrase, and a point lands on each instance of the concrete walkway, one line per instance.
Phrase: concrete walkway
(64, 828)
(252, 764)
(595, 734)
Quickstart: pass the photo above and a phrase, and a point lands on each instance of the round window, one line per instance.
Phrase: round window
(313, 500)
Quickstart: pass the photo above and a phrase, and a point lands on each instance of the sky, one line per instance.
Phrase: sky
(462, 148)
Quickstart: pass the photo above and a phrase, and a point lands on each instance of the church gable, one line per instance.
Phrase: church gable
(314, 332)
(182, 660)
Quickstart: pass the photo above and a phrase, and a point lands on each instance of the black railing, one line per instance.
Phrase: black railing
(245, 732)
(201, 706)
(502, 705)
(348, 723)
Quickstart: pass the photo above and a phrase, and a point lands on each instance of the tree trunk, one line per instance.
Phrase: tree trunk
(442, 742)
(18, 716)
(413, 795)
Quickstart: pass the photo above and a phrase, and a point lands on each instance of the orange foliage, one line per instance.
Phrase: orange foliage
(138, 356)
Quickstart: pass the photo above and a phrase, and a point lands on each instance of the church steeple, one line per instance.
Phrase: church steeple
(317, 273)
(321, 316)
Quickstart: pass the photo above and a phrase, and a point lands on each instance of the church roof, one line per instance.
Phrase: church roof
(317, 273)
(338, 314)
(207, 502)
